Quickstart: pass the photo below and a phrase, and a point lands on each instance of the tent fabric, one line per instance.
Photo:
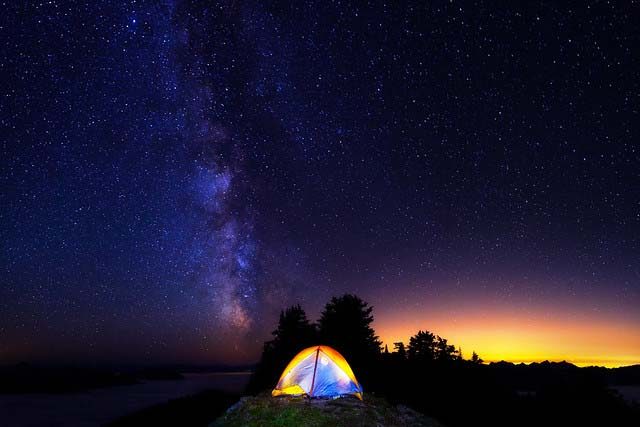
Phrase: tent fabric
(318, 371)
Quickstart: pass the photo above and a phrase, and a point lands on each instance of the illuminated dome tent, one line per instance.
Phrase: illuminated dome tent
(318, 371)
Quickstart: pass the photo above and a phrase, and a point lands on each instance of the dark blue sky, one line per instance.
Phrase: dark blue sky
(174, 173)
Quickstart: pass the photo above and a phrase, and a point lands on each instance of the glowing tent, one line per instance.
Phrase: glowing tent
(318, 371)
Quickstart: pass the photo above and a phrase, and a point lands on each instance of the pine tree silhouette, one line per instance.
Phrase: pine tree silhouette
(294, 333)
(422, 347)
(400, 351)
(345, 324)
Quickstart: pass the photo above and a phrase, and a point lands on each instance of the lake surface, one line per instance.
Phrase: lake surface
(96, 407)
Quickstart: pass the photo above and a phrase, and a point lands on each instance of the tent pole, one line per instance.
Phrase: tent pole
(315, 366)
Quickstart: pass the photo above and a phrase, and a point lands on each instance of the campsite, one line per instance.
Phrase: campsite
(284, 213)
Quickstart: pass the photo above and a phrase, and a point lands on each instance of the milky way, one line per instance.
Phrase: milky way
(174, 173)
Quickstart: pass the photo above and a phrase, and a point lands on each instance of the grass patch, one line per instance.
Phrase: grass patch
(264, 410)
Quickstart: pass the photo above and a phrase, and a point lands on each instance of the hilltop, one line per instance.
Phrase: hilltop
(263, 410)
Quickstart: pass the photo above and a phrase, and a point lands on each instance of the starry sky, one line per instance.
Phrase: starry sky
(176, 172)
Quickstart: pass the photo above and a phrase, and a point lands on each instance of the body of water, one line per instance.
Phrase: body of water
(96, 407)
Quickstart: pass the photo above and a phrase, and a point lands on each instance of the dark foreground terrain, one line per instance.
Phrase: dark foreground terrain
(264, 410)
(217, 409)
(498, 394)
(396, 393)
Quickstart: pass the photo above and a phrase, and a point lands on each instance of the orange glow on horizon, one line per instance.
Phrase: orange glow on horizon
(498, 333)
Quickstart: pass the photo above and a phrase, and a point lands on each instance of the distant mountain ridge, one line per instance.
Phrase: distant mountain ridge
(537, 372)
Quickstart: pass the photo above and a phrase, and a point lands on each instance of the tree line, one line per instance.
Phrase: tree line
(346, 325)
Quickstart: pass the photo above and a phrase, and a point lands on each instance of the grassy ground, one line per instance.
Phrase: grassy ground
(264, 410)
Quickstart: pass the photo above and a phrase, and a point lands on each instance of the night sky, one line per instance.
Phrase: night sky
(175, 173)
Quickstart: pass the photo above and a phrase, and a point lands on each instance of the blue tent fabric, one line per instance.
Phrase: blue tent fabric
(318, 371)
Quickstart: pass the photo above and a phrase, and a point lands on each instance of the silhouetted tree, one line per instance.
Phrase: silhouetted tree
(400, 351)
(425, 347)
(294, 333)
(422, 347)
(345, 324)
(475, 358)
(444, 351)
